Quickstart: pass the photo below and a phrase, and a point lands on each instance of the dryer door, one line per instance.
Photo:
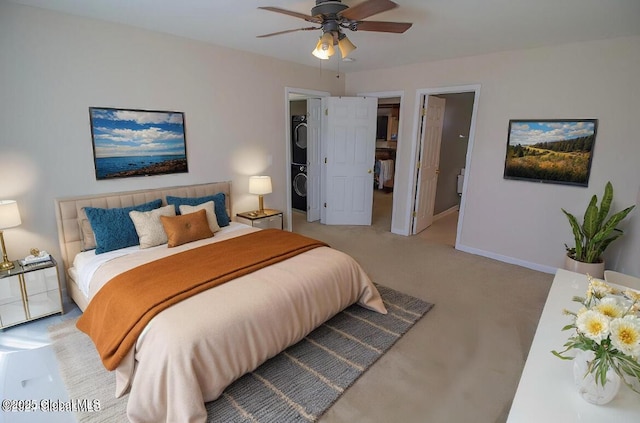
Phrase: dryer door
(299, 138)
(300, 184)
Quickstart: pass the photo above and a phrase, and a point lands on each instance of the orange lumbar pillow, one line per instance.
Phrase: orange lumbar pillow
(186, 228)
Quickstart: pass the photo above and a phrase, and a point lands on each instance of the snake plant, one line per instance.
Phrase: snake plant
(596, 232)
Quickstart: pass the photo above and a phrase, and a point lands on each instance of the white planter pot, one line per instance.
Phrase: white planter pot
(594, 269)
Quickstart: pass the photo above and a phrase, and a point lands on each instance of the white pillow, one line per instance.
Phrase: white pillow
(149, 227)
(211, 214)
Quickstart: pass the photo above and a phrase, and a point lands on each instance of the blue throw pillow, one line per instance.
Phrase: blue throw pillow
(113, 228)
(218, 201)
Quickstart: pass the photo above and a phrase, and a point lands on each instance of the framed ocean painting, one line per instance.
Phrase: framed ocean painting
(128, 142)
(554, 151)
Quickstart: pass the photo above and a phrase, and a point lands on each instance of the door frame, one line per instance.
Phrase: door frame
(302, 93)
(392, 94)
(413, 180)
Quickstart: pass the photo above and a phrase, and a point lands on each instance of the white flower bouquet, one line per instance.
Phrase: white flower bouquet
(609, 325)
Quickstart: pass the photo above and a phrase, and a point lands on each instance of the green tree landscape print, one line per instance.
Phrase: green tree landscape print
(556, 151)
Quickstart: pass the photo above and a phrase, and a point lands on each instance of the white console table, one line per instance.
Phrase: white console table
(546, 392)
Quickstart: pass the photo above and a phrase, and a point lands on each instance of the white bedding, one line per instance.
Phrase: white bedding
(86, 263)
(193, 350)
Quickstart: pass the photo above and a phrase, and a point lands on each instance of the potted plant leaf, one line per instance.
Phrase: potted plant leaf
(594, 235)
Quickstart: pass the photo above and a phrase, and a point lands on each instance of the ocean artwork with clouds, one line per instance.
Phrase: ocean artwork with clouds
(129, 142)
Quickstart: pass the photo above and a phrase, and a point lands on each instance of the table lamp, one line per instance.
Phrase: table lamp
(260, 185)
(9, 218)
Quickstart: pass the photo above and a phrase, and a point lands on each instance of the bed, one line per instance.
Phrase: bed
(192, 350)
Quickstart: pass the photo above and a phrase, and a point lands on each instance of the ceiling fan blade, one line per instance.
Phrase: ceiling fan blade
(396, 27)
(367, 8)
(307, 18)
(287, 31)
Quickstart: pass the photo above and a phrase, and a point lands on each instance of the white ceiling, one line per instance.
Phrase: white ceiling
(441, 28)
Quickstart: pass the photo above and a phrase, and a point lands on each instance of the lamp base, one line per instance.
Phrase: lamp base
(6, 265)
(260, 210)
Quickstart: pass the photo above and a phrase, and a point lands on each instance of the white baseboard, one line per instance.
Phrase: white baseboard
(400, 231)
(445, 213)
(507, 259)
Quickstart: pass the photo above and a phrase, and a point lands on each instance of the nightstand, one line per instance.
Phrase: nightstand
(29, 292)
(269, 219)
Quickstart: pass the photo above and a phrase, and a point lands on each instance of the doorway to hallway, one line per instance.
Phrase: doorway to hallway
(451, 166)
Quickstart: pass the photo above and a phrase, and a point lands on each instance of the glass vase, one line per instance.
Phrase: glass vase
(589, 390)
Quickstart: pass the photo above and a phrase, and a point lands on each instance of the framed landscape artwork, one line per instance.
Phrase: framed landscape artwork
(130, 142)
(553, 151)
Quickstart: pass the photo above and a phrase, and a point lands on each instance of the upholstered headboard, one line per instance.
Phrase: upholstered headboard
(70, 210)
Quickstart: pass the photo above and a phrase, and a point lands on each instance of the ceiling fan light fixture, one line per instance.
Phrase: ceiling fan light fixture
(327, 41)
(333, 16)
(319, 52)
(345, 45)
(324, 49)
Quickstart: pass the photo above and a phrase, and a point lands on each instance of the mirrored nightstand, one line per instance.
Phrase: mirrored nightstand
(269, 219)
(29, 292)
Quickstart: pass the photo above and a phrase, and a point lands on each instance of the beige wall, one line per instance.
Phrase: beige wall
(517, 221)
(55, 66)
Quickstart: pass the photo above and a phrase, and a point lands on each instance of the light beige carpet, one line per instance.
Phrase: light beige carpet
(463, 363)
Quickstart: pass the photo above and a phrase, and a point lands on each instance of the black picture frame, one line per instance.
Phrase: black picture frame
(556, 151)
(134, 142)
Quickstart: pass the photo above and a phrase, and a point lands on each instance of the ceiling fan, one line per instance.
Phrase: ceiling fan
(333, 16)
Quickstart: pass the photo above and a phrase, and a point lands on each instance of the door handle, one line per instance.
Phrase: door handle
(369, 171)
(437, 171)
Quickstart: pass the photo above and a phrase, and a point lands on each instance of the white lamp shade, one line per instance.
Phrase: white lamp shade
(260, 185)
(9, 214)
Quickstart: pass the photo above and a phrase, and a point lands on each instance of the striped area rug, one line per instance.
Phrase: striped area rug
(297, 385)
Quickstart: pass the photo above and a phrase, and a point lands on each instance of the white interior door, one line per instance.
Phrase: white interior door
(428, 159)
(314, 158)
(348, 147)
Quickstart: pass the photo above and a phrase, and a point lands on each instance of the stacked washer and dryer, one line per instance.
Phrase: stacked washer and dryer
(299, 162)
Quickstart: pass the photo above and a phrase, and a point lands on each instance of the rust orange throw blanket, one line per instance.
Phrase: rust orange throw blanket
(118, 313)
